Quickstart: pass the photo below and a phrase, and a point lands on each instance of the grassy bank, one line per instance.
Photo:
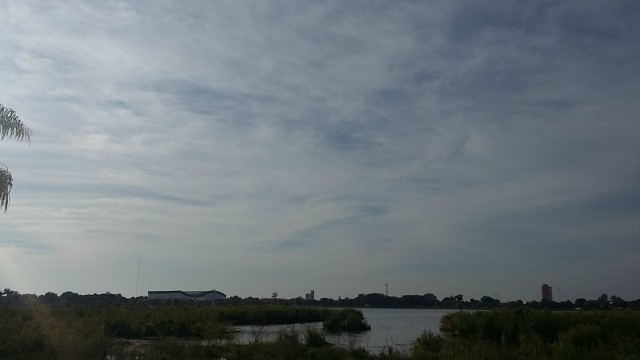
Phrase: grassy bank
(538, 335)
(187, 332)
(39, 331)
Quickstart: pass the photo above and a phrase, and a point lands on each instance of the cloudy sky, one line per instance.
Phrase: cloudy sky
(480, 148)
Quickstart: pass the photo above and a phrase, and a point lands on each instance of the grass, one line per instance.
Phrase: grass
(513, 334)
(348, 320)
(186, 332)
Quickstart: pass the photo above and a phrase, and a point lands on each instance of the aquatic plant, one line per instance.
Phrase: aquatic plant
(349, 320)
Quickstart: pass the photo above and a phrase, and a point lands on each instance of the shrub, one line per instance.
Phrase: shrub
(581, 338)
(289, 338)
(314, 338)
(428, 342)
(349, 320)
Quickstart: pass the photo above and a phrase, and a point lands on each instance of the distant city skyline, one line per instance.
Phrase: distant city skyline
(445, 147)
(546, 295)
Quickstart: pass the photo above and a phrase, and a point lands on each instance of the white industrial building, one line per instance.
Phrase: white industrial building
(179, 295)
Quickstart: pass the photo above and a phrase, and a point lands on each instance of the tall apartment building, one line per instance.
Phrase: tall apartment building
(546, 293)
(310, 295)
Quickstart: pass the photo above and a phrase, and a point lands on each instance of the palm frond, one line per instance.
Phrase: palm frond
(11, 126)
(6, 182)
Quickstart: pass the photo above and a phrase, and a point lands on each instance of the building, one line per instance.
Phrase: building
(194, 296)
(310, 296)
(546, 293)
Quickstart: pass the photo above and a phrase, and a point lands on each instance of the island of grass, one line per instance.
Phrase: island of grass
(349, 320)
(185, 321)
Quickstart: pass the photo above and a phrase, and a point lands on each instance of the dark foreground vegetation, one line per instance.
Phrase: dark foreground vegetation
(526, 334)
(39, 331)
(180, 331)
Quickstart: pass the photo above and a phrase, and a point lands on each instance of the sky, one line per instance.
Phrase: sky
(445, 147)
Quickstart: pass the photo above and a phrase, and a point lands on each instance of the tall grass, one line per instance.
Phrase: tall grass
(546, 334)
(100, 332)
(184, 321)
(36, 332)
(349, 320)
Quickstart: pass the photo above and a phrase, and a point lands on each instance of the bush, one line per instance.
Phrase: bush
(349, 320)
(314, 338)
(544, 334)
(581, 338)
(289, 338)
(427, 343)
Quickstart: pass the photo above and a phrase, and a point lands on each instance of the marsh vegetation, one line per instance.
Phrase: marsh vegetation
(38, 331)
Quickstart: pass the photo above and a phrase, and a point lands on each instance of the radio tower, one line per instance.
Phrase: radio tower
(138, 278)
(386, 289)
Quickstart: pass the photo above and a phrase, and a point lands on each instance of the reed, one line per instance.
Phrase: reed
(349, 320)
(544, 334)
(185, 332)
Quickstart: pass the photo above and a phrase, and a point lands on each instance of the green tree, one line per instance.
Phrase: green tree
(11, 128)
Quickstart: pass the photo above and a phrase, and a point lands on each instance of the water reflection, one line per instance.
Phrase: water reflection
(389, 327)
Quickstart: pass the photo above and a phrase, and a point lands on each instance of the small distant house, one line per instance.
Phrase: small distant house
(193, 296)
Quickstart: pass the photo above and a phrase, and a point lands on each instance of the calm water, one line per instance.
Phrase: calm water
(389, 327)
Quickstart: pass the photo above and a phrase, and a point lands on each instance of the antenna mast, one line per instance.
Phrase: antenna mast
(138, 277)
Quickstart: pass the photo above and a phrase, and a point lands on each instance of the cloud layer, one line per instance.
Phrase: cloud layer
(445, 147)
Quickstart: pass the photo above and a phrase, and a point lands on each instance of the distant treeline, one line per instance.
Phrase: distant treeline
(376, 300)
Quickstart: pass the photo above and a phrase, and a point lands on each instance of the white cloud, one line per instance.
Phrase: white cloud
(258, 147)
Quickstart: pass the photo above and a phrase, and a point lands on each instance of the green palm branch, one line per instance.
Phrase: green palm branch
(6, 182)
(11, 128)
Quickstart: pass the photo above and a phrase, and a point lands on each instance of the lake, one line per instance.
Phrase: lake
(389, 327)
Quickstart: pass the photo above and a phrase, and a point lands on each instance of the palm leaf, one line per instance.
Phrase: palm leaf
(12, 127)
(6, 182)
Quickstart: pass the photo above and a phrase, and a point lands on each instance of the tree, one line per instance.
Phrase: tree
(604, 298)
(10, 127)
(488, 301)
(50, 298)
(617, 302)
(9, 296)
